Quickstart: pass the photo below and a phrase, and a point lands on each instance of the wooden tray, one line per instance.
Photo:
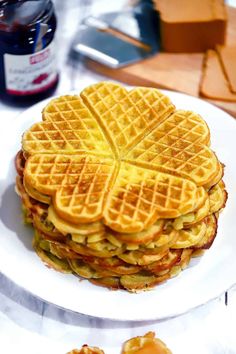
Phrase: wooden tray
(179, 72)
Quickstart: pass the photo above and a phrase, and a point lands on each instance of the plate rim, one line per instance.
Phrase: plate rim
(121, 318)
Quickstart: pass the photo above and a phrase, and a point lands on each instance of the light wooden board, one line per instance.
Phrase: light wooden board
(179, 72)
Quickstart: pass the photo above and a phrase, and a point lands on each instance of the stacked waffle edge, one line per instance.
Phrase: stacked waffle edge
(120, 187)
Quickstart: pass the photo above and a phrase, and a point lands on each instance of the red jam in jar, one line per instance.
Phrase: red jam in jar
(28, 70)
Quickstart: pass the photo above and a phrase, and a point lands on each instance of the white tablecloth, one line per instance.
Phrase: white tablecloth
(30, 326)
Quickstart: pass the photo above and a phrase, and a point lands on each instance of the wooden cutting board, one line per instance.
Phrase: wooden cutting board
(179, 72)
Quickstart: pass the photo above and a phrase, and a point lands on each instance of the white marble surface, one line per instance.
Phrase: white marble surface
(30, 326)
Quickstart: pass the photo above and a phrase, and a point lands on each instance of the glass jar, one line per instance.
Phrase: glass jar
(28, 70)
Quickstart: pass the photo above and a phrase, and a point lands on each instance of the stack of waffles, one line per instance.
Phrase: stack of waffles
(120, 187)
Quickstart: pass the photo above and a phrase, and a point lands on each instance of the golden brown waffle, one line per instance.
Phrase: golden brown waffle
(141, 196)
(197, 236)
(120, 188)
(182, 264)
(179, 146)
(42, 248)
(155, 174)
(79, 188)
(132, 279)
(142, 344)
(190, 237)
(126, 116)
(104, 255)
(113, 264)
(87, 350)
(138, 238)
(206, 241)
(144, 280)
(132, 270)
(165, 263)
(190, 219)
(215, 202)
(68, 127)
(68, 228)
(217, 197)
(46, 221)
(84, 270)
(78, 184)
(145, 344)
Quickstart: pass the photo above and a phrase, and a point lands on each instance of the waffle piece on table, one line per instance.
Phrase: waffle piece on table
(142, 344)
(87, 350)
(145, 344)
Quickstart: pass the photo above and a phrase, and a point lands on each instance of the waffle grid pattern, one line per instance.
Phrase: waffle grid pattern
(161, 157)
(68, 126)
(182, 150)
(79, 183)
(147, 198)
(126, 116)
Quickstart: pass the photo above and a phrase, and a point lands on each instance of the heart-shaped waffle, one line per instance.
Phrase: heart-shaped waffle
(68, 127)
(126, 158)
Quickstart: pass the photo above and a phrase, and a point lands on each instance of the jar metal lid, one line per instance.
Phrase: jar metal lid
(18, 15)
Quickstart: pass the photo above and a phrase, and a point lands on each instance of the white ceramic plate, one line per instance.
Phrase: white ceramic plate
(202, 281)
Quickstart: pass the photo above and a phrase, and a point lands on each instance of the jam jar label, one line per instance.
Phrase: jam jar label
(31, 73)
